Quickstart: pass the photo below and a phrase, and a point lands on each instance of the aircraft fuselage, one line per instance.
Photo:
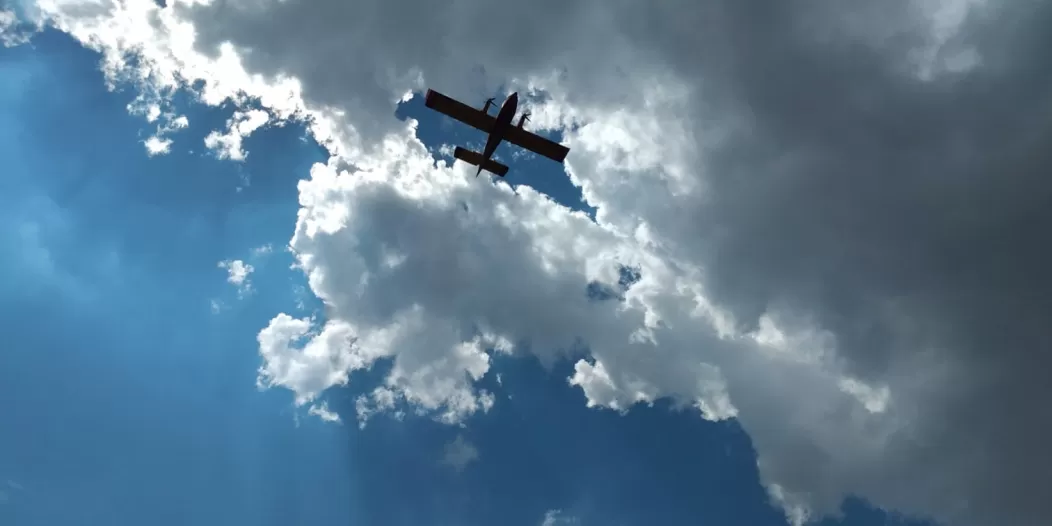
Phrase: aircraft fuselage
(500, 126)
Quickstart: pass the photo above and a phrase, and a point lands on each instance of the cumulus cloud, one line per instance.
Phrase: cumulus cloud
(558, 518)
(156, 145)
(323, 412)
(227, 145)
(167, 122)
(13, 31)
(380, 400)
(262, 251)
(237, 274)
(837, 210)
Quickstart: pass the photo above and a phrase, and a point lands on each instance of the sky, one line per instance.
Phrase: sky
(792, 271)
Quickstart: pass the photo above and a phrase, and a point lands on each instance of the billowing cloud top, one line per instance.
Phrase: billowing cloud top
(838, 211)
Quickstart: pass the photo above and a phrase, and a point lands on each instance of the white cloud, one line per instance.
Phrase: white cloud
(13, 32)
(446, 150)
(323, 412)
(459, 453)
(167, 121)
(806, 205)
(227, 145)
(558, 518)
(238, 274)
(380, 400)
(156, 145)
(262, 251)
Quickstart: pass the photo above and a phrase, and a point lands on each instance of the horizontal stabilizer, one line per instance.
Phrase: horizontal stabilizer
(475, 158)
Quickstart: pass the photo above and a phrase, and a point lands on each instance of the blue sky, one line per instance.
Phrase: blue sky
(129, 401)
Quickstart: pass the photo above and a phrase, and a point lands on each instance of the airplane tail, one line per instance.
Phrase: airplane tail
(475, 159)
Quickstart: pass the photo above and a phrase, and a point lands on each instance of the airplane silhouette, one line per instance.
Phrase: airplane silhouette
(499, 129)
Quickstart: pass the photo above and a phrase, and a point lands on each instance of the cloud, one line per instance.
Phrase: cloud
(8, 491)
(13, 32)
(238, 274)
(380, 400)
(558, 518)
(168, 122)
(262, 251)
(157, 146)
(322, 411)
(459, 453)
(227, 145)
(837, 211)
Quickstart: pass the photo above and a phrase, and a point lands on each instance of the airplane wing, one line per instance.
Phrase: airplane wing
(535, 143)
(459, 111)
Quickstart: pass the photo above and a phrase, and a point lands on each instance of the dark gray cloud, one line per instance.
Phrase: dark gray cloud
(909, 218)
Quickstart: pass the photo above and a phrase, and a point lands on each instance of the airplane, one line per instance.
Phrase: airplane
(499, 129)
